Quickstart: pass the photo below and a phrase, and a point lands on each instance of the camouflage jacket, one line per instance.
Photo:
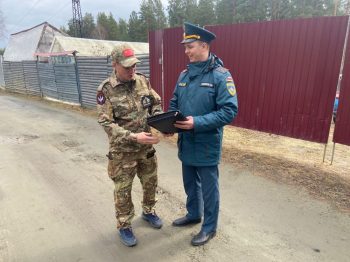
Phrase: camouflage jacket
(123, 109)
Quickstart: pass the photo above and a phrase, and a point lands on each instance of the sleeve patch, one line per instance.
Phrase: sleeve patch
(100, 98)
(231, 88)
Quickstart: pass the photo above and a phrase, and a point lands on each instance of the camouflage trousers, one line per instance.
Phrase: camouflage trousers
(122, 168)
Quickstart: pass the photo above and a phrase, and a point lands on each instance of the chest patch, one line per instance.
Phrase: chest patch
(182, 84)
(100, 98)
(207, 84)
(146, 101)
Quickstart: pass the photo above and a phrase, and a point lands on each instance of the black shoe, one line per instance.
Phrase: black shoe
(184, 221)
(201, 238)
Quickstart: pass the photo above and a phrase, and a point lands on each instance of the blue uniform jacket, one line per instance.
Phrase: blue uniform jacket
(205, 91)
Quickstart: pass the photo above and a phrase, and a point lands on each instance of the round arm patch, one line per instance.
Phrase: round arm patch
(100, 98)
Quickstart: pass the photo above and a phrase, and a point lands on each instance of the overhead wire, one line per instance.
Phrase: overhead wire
(26, 14)
(60, 9)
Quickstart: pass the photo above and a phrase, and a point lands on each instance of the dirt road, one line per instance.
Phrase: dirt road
(56, 202)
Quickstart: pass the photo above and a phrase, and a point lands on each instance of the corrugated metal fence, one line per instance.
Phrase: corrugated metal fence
(67, 83)
(47, 80)
(174, 60)
(74, 83)
(286, 72)
(92, 71)
(156, 45)
(2, 81)
(14, 77)
(31, 77)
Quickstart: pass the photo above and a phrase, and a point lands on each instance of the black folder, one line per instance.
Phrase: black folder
(165, 122)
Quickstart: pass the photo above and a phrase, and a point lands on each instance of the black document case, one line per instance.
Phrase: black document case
(165, 122)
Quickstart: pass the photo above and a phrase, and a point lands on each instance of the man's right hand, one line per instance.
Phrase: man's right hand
(146, 138)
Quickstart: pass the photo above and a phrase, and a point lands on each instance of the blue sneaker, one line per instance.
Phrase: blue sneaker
(127, 237)
(153, 220)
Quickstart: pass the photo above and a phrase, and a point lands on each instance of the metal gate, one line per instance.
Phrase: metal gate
(47, 80)
(66, 83)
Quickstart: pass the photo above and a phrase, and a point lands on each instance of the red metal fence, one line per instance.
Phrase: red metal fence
(286, 72)
(342, 126)
(155, 60)
(174, 61)
(173, 57)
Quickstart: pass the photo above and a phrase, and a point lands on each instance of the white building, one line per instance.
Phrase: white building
(45, 38)
(92, 47)
(24, 44)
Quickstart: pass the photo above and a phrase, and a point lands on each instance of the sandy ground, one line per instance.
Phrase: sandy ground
(292, 161)
(279, 202)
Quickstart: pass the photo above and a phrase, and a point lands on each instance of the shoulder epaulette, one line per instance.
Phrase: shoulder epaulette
(221, 69)
(141, 74)
(103, 84)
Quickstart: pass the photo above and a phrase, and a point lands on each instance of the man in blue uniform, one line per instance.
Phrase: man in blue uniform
(205, 93)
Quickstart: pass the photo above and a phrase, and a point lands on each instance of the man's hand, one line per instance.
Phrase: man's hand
(146, 138)
(187, 124)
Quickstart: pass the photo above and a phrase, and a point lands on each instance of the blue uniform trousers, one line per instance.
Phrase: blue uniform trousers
(202, 188)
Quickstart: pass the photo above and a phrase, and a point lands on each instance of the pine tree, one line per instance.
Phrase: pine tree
(161, 19)
(206, 13)
(147, 18)
(224, 11)
(135, 29)
(250, 10)
(152, 17)
(88, 25)
(281, 9)
(70, 30)
(176, 13)
(101, 31)
(123, 30)
(190, 8)
(310, 8)
(113, 30)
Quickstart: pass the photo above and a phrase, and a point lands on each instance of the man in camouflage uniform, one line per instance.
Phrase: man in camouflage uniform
(124, 101)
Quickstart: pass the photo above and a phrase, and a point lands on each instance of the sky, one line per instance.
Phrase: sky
(19, 15)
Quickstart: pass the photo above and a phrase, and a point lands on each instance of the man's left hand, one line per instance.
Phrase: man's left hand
(187, 124)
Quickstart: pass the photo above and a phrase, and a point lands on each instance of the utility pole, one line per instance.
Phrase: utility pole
(77, 18)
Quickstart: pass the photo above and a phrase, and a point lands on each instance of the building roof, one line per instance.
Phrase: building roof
(22, 45)
(92, 47)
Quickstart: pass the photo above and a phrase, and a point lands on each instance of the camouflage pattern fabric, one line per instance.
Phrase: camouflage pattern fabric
(122, 169)
(123, 109)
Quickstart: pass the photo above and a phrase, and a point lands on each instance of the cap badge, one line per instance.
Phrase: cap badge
(128, 53)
